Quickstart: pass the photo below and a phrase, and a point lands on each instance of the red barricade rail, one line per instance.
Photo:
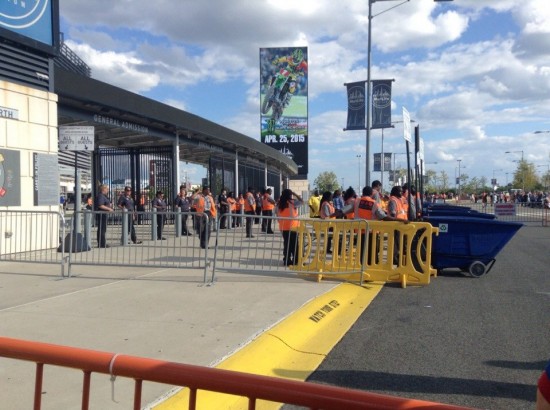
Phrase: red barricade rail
(254, 387)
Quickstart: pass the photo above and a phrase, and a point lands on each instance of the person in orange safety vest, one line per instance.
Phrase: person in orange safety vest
(268, 204)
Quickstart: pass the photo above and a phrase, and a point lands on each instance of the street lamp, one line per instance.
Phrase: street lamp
(359, 168)
(521, 166)
(394, 170)
(369, 88)
(545, 175)
(459, 161)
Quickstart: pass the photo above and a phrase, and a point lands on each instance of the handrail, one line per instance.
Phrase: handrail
(254, 387)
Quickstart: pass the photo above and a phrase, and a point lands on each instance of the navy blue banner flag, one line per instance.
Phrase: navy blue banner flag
(381, 104)
(356, 106)
(377, 167)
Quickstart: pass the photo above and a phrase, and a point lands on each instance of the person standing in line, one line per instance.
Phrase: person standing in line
(396, 209)
(224, 208)
(196, 221)
(314, 204)
(258, 210)
(366, 208)
(268, 204)
(287, 207)
(240, 210)
(127, 202)
(377, 191)
(182, 202)
(250, 211)
(338, 201)
(103, 204)
(206, 213)
(160, 205)
(327, 212)
(232, 202)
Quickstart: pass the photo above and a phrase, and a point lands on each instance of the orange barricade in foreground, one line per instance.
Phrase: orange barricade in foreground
(253, 387)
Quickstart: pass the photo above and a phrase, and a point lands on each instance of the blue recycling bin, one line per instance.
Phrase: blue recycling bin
(469, 243)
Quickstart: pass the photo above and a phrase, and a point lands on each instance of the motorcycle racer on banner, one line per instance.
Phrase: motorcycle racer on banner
(282, 85)
(296, 65)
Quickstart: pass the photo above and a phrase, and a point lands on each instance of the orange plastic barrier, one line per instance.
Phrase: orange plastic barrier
(254, 387)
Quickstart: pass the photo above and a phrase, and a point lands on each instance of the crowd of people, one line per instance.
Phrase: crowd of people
(229, 211)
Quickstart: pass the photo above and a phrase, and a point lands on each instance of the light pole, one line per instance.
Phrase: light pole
(459, 161)
(359, 168)
(494, 181)
(545, 175)
(394, 170)
(522, 168)
(369, 88)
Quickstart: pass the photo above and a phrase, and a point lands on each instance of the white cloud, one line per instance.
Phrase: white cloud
(469, 94)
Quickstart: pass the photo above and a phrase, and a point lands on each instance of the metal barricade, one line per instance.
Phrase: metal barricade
(33, 236)
(252, 248)
(529, 213)
(168, 239)
(335, 248)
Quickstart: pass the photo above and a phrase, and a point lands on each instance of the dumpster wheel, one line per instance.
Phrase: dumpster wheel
(477, 269)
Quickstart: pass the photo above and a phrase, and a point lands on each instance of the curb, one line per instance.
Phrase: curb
(293, 348)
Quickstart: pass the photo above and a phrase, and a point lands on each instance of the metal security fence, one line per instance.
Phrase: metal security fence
(532, 214)
(317, 246)
(168, 239)
(33, 236)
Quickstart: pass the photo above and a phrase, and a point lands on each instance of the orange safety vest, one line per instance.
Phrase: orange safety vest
(247, 206)
(350, 201)
(232, 204)
(364, 207)
(405, 202)
(240, 204)
(401, 211)
(200, 205)
(267, 203)
(330, 208)
(289, 212)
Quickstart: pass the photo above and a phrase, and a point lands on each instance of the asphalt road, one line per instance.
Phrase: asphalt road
(479, 343)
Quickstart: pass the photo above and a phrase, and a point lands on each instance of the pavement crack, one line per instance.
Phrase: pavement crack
(296, 350)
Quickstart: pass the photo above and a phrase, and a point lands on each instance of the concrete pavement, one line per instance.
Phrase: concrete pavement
(166, 314)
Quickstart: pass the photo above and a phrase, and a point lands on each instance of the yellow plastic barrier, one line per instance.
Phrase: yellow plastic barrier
(394, 252)
(331, 246)
(400, 252)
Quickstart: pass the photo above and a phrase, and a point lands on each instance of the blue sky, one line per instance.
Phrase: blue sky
(474, 74)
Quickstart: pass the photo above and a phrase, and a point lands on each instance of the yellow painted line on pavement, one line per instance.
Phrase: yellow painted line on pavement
(291, 349)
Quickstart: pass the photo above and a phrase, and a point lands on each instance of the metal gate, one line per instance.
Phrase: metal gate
(145, 169)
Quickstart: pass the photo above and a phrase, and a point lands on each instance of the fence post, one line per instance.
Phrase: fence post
(154, 225)
(88, 215)
(124, 236)
(177, 222)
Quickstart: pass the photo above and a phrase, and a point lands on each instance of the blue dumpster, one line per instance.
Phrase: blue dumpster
(469, 243)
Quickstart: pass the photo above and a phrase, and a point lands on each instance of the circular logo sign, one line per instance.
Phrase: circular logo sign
(381, 96)
(356, 97)
(22, 14)
(443, 228)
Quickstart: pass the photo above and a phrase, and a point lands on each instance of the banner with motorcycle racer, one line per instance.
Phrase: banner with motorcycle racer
(381, 104)
(284, 102)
